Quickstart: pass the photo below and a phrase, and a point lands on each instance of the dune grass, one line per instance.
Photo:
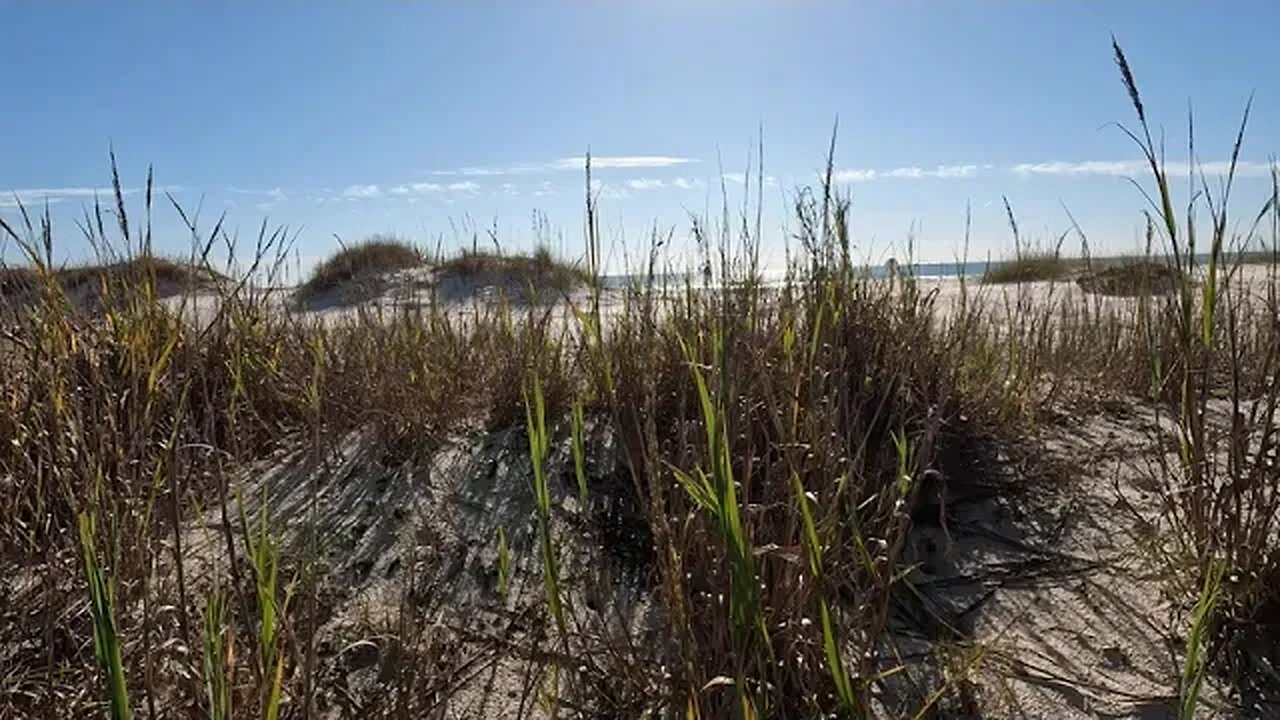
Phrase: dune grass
(364, 261)
(254, 379)
(357, 272)
(1131, 278)
(1030, 267)
(169, 274)
(540, 269)
(774, 440)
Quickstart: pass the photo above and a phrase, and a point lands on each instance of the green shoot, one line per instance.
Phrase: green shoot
(539, 449)
(264, 554)
(1197, 659)
(217, 656)
(106, 636)
(830, 643)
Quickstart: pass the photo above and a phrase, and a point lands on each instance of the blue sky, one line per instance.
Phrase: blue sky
(431, 120)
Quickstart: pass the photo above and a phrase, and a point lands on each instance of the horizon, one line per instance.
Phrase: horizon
(433, 123)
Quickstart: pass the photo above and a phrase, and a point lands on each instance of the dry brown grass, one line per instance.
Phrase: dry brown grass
(773, 440)
(1030, 267)
(540, 270)
(172, 275)
(365, 261)
(1131, 279)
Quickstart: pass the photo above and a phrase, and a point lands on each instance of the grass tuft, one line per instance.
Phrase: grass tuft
(363, 262)
(1131, 279)
(1028, 268)
(540, 270)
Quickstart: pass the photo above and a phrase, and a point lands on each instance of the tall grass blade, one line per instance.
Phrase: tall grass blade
(106, 636)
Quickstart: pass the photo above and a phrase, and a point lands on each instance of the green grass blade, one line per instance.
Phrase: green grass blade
(106, 636)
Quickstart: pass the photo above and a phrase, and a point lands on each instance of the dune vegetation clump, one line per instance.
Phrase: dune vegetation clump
(540, 270)
(1028, 268)
(363, 263)
(170, 276)
(729, 499)
(1132, 278)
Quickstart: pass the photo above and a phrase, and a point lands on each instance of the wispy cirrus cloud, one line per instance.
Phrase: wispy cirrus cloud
(1132, 168)
(942, 171)
(1117, 168)
(418, 188)
(573, 163)
(270, 197)
(858, 175)
(362, 192)
(14, 197)
(275, 193)
(12, 202)
(646, 184)
(1055, 168)
(608, 191)
(741, 179)
(409, 190)
(28, 197)
(490, 171)
(678, 183)
(850, 175)
(621, 161)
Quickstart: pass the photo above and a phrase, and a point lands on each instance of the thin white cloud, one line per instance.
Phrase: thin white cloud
(1133, 168)
(411, 191)
(608, 191)
(621, 161)
(742, 179)
(11, 202)
(418, 188)
(572, 163)
(485, 172)
(1117, 168)
(1245, 168)
(646, 184)
(688, 183)
(275, 193)
(859, 175)
(942, 171)
(490, 171)
(853, 176)
(361, 192)
(38, 195)
(271, 197)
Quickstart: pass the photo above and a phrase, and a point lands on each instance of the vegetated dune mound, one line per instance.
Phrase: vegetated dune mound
(86, 285)
(388, 269)
(1131, 279)
(359, 273)
(1027, 268)
(518, 278)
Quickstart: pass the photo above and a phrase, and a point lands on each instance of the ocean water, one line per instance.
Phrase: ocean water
(941, 270)
(770, 277)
